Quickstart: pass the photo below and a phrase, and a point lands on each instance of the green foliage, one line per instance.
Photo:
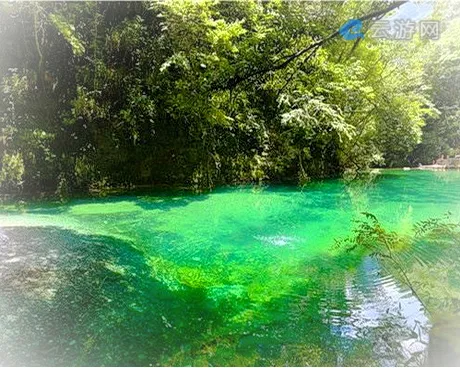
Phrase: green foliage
(199, 93)
(12, 171)
(437, 228)
(399, 252)
(442, 132)
(68, 32)
(371, 235)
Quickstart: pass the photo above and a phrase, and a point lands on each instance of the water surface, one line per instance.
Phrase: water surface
(238, 276)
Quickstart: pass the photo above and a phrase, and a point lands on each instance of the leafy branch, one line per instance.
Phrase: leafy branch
(312, 47)
(369, 234)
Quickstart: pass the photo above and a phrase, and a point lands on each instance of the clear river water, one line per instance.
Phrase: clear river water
(245, 275)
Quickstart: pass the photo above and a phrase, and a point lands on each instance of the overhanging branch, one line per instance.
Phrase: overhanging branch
(238, 79)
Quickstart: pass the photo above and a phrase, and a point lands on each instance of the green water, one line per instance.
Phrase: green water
(239, 276)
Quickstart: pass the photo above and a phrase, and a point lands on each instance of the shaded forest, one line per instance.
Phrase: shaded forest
(201, 93)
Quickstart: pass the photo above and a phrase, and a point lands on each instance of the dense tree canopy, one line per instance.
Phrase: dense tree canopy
(204, 93)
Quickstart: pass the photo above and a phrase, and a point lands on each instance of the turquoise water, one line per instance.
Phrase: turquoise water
(238, 276)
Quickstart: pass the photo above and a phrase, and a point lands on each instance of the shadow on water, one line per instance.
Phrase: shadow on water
(71, 299)
(168, 202)
(163, 201)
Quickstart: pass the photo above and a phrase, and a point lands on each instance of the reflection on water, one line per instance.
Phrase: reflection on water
(237, 277)
(372, 297)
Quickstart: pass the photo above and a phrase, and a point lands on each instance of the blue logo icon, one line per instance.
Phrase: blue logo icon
(350, 30)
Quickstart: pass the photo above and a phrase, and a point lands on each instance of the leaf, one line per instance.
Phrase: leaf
(68, 32)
